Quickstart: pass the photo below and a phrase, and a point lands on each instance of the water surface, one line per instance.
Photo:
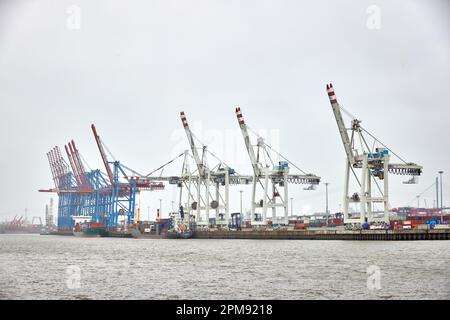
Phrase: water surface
(41, 267)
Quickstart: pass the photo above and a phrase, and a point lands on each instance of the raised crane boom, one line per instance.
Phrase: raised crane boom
(248, 145)
(373, 162)
(52, 168)
(103, 155)
(58, 167)
(200, 165)
(79, 164)
(272, 185)
(76, 169)
(340, 123)
(72, 165)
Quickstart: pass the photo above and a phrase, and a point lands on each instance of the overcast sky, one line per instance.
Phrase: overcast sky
(132, 66)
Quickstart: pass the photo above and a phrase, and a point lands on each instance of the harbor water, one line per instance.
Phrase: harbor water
(55, 267)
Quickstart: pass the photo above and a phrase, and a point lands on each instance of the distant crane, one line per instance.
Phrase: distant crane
(374, 163)
(36, 218)
(49, 215)
(279, 178)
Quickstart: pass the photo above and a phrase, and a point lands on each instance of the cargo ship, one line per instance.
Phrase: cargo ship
(119, 234)
(180, 232)
(90, 230)
(164, 229)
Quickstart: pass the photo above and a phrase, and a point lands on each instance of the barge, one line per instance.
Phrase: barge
(162, 230)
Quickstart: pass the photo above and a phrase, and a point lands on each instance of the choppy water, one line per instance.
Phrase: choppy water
(39, 267)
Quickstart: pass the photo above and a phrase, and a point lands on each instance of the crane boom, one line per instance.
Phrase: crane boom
(77, 160)
(57, 163)
(55, 179)
(248, 145)
(75, 168)
(62, 164)
(61, 161)
(72, 165)
(340, 123)
(103, 155)
(200, 165)
(54, 168)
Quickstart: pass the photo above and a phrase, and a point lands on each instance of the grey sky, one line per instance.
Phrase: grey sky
(134, 65)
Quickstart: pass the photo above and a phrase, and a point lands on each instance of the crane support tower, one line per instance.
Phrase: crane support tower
(269, 183)
(211, 185)
(374, 163)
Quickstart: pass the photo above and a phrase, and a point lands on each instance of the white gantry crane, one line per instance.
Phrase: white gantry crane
(373, 160)
(203, 177)
(209, 185)
(271, 183)
(207, 189)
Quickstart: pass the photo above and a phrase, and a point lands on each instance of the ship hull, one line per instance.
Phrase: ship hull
(91, 233)
(119, 234)
(180, 235)
(163, 235)
(82, 234)
(139, 235)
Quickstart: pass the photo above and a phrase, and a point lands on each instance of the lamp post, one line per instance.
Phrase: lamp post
(292, 207)
(442, 205)
(326, 203)
(437, 193)
(160, 208)
(148, 211)
(418, 201)
(240, 191)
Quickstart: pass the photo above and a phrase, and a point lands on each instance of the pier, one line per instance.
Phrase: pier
(383, 235)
